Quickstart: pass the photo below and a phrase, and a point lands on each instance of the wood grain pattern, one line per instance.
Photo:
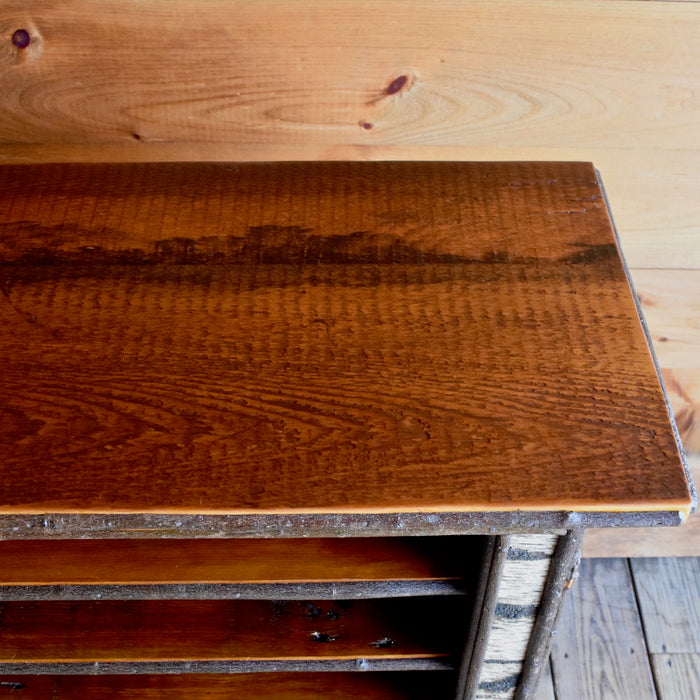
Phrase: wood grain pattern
(182, 632)
(683, 386)
(42, 563)
(268, 686)
(545, 685)
(652, 190)
(599, 649)
(323, 337)
(671, 304)
(676, 675)
(667, 591)
(293, 569)
(259, 73)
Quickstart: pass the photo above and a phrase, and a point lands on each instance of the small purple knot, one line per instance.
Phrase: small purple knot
(21, 39)
(396, 85)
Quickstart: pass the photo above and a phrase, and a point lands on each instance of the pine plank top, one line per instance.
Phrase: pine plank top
(323, 338)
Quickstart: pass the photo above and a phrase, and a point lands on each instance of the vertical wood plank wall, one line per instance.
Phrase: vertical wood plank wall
(615, 82)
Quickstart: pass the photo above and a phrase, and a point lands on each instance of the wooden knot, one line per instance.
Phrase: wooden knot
(21, 39)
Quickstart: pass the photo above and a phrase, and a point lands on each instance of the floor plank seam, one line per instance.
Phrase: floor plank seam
(642, 622)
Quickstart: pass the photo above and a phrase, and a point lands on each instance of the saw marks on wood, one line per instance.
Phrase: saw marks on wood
(323, 337)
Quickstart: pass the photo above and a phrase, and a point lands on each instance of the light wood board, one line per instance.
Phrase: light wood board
(677, 675)
(599, 650)
(358, 74)
(667, 590)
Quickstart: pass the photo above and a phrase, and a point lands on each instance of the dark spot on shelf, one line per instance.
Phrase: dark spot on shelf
(136, 136)
(313, 611)
(384, 643)
(366, 125)
(323, 637)
(397, 85)
(663, 339)
(21, 39)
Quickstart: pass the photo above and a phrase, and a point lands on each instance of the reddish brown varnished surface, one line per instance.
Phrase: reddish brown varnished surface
(156, 561)
(212, 686)
(205, 630)
(322, 338)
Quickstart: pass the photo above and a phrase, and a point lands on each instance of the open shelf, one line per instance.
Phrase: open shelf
(270, 569)
(269, 686)
(231, 636)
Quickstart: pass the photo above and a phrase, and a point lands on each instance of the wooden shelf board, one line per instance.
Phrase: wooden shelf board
(299, 569)
(75, 562)
(177, 633)
(269, 686)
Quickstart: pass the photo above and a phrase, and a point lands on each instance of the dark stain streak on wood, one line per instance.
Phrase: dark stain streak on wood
(252, 338)
(592, 253)
(263, 245)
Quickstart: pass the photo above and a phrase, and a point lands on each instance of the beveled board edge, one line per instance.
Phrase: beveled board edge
(652, 352)
(174, 525)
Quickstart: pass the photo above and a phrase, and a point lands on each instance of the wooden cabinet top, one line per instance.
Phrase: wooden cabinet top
(323, 338)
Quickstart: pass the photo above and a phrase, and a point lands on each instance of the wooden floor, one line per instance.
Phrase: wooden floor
(630, 630)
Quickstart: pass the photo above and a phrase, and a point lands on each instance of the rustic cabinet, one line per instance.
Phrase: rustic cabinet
(311, 430)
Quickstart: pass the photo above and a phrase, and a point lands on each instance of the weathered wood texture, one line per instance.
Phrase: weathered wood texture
(599, 650)
(323, 337)
(545, 685)
(663, 590)
(667, 591)
(268, 686)
(676, 675)
(177, 635)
